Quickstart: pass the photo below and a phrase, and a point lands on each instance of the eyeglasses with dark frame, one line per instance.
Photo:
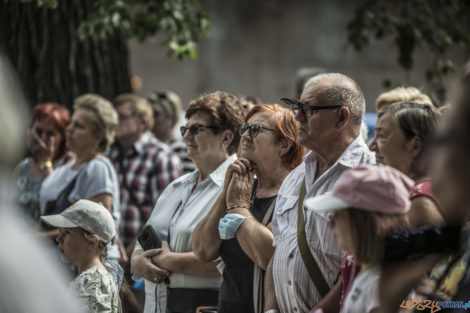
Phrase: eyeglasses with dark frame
(305, 108)
(254, 129)
(194, 129)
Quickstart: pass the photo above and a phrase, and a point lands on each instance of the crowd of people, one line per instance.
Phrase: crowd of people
(256, 207)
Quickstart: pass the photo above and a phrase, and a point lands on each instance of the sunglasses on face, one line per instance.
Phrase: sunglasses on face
(306, 109)
(255, 129)
(194, 129)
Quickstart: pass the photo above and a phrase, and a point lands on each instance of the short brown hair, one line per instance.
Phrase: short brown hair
(140, 107)
(285, 127)
(225, 112)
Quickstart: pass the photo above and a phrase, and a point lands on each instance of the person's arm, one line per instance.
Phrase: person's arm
(141, 264)
(270, 301)
(184, 263)
(330, 302)
(206, 239)
(255, 239)
(424, 212)
(396, 281)
(105, 198)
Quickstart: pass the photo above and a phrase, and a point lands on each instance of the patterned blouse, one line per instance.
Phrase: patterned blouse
(97, 289)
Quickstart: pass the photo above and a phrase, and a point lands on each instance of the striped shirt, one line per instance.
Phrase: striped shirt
(295, 291)
(147, 169)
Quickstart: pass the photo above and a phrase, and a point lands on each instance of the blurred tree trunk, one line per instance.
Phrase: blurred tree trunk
(52, 62)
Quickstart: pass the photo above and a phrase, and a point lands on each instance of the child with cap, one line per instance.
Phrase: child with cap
(86, 227)
(362, 198)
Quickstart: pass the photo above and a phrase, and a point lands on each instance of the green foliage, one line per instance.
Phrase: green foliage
(182, 21)
(436, 25)
(48, 3)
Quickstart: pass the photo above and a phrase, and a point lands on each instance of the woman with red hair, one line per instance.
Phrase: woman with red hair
(46, 144)
(238, 227)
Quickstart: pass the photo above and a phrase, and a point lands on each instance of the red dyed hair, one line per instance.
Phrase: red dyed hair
(58, 116)
(285, 128)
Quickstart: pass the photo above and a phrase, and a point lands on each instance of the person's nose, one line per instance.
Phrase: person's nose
(187, 135)
(300, 116)
(59, 237)
(373, 144)
(332, 221)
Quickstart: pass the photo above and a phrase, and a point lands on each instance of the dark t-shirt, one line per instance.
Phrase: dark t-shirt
(236, 291)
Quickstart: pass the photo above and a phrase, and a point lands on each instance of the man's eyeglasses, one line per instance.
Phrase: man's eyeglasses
(194, 129)
(255, 129)
(307, 109)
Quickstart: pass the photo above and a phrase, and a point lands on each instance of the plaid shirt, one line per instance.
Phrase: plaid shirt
(147, 169)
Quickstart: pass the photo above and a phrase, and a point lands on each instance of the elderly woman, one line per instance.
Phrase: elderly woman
(212, 139)
(403, 131)
(450, 174)
(91, 175)
(269, 151)
(46, 143)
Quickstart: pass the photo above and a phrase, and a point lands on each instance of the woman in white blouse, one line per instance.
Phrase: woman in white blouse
(175, 280)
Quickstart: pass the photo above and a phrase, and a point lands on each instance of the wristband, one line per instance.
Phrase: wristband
(236, 206)
(229, 224)
(271, 311)
(45, 165)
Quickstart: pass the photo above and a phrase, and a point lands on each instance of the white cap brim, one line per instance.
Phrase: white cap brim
(325, 203)
(58, 221)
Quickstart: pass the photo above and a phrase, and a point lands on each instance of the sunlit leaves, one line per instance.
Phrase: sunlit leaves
(435, 25)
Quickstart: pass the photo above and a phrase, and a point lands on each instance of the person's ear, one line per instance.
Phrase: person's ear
(343, 117)
(285, 147)
(414, 146)
(227, 137)
(93, 241)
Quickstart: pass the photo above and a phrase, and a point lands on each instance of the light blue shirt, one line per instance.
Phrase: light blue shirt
(93, 178)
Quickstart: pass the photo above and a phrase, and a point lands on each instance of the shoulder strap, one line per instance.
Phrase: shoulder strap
(258, 273)
(309, 261)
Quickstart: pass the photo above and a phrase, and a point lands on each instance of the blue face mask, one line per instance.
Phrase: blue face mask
(229, 224)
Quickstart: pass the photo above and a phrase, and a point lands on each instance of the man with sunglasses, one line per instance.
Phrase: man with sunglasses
(329, 112)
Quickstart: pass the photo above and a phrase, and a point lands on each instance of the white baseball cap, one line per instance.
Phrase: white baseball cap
(88, 215)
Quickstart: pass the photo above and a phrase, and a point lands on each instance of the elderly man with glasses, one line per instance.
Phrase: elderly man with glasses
(307, 259)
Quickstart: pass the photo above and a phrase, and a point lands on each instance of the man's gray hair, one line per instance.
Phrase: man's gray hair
(342, 90)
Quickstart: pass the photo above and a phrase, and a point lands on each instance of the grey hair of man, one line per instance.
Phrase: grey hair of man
(342, 90)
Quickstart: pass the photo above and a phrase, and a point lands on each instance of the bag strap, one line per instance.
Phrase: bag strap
(309, 261)
(258, 273)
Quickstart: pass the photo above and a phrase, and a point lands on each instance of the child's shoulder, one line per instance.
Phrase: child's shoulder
(91, 277)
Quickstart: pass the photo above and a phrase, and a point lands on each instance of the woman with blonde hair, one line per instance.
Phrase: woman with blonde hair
(91, 175)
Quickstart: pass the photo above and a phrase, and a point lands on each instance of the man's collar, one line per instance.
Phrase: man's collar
(217, 176)
(145, 138)
(349, 158)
